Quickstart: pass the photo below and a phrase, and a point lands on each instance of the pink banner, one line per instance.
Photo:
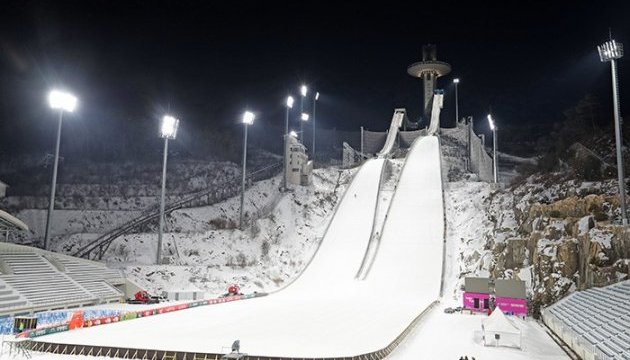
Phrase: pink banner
(512, 306)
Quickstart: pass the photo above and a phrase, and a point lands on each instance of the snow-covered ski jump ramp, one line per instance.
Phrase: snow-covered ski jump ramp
(326, 312)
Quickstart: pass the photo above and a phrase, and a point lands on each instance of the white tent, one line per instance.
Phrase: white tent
(499, 331)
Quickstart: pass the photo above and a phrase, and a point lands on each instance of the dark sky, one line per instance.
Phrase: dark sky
(207, 61)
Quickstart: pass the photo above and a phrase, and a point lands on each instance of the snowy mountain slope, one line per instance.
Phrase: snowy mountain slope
(213, 253)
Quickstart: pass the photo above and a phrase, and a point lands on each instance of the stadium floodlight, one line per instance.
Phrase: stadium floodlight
(248, 119)
(293, 133)
(290, 101)
(64, 102)
(60, 100)
(490, 122)
(495, 159)
(612, 51)
(303, 90)
(456, 81)
(304, 117)
(317, 96)
(168, 130)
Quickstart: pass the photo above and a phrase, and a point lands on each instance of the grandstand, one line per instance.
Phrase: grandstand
(595, 323)
(33, 280)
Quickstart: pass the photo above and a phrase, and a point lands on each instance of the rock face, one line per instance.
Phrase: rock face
(568, 234)
(554, 232)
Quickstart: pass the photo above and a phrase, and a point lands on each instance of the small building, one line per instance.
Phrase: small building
(511, 296)
(477, 294)
(3, 189)
(298, 168)
(190, 293)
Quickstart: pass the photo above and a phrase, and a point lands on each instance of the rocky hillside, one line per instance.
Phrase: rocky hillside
(554, 232)
(568, 231)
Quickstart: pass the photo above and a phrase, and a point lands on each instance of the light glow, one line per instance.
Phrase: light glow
(456, 81)
(290, 102)
(491, 122)
(293, 133)
(168, 130)
(304, 117)
(317, 96)
(303, 90)
(62, 100)
(248, 117)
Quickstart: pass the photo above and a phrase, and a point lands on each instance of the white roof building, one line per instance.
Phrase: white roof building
(498, 330)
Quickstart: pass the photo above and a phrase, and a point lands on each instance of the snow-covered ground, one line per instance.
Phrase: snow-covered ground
(282, 236)
(307, 319)
(451, 336)
(212, 253)
(466, 229)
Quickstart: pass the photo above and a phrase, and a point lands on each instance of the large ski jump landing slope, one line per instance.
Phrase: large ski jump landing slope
(326, 312)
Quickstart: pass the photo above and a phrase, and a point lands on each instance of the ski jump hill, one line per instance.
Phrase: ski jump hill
(328, 311)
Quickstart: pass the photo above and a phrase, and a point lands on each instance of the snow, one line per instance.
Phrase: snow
(324, 310)
(467, 226)
(584, 224)
(284, 233)
(450, 336)
(406, 259)
(602, 237)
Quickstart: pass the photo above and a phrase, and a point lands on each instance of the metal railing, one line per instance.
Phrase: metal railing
(97, 247)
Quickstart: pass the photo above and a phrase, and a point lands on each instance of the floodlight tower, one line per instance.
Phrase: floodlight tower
(314, 107)
(168, 131)
(248, 119)
(611, 51)
(289, 106)
(495, 159)
(456, 82)
(429, 69)
(303, 118)
(67, 102)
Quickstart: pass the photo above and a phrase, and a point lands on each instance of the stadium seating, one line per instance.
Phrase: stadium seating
(9, 298)
(94, 277)
(33, 280)
(594, 322)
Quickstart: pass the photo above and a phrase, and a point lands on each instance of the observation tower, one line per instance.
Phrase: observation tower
(429, 69)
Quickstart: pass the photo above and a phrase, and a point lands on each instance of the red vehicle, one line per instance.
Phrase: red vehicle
(143, 297)
(232, 290)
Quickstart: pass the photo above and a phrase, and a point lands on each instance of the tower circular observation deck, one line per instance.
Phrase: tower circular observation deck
(419, 69)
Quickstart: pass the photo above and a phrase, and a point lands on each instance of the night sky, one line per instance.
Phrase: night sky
(205, 62)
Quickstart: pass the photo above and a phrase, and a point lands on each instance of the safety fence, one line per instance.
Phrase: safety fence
(480, 161)
(373, 141)
(152, 354)
(54, 318)
(88, 318)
